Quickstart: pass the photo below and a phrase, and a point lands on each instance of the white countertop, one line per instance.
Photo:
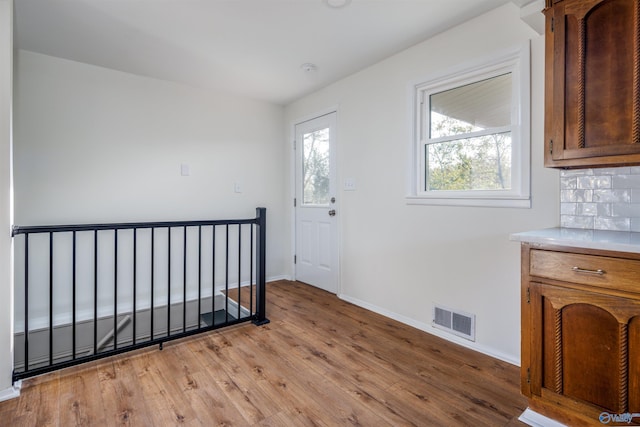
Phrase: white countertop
(621, 241)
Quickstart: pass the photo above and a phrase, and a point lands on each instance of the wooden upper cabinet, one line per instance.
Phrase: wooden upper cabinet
(592, 93)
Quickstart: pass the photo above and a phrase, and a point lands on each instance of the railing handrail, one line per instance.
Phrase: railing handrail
(125, 225)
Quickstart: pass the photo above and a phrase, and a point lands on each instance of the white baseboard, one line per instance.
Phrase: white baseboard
(276, 278)
(434, 331)
(534, 419)
(11, 392)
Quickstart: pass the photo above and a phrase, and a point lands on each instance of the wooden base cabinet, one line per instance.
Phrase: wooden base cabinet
(580, 333)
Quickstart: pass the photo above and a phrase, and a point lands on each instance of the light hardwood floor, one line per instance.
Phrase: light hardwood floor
(320, 362)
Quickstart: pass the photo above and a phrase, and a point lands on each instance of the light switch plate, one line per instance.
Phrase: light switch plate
(349, 184)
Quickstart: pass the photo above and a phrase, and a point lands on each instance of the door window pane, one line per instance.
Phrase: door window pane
(315, 167)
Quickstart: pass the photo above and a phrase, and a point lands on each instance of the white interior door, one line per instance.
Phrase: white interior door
(316, 205)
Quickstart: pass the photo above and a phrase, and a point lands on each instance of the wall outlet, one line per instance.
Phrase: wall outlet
(184, 169)
(237, 187)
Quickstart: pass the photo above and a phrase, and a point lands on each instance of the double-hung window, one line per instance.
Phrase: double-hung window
(472, 135)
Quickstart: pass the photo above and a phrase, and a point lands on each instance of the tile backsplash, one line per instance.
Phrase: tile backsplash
(600, 199)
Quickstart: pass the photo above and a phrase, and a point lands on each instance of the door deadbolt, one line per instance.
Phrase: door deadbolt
(333, 200)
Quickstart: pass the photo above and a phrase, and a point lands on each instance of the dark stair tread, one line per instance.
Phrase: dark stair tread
(217, 316)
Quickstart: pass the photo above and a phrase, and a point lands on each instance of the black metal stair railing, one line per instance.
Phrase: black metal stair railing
(84, 292)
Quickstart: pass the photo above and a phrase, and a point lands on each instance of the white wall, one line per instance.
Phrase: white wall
(399, 259)
(6, 292)
(96, 145)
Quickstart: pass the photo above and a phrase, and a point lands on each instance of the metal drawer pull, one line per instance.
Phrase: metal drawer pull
(599, 272)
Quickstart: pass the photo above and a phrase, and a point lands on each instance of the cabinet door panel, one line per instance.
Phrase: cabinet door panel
(598, 76)
(608, 74)
(590, 349)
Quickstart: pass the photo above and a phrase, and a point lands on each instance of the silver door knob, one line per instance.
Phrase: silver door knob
(332, 212)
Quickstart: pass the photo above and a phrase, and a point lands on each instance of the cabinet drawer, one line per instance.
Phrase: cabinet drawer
(605, 272)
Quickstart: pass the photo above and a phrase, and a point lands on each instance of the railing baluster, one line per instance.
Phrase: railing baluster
(251, 270)
(115, 289)
(73, 300)
(199, 275)
(239, 268)
(184, 279)
(50, 298)
(168, 281)
(153, 232)
(213, 275)
(226, 278)
(95, 291)
(135, 270)
(26, 302)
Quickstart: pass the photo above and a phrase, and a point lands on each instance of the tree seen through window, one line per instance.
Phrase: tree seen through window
(475, 163)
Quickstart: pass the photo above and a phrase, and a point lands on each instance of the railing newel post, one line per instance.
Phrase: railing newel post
(261, 264)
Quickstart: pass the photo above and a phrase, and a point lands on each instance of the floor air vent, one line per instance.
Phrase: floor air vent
(455, 322)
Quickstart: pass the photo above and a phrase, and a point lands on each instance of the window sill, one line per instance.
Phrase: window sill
(523, 203)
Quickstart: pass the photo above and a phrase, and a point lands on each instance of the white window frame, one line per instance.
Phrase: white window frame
(516, 62)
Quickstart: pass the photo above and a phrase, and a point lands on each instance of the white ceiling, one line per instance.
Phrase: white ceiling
(249, 47)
